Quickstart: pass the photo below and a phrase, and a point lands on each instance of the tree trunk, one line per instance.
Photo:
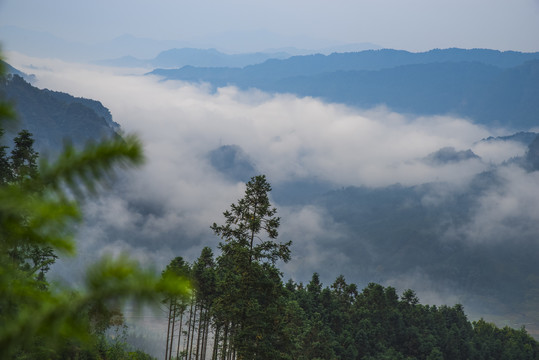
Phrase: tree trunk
(225, 342)
(168, 328)
(193, 333)
(206, 334)
(172, 331)
(189, 328)
(200, 318)
(215, 343)
(180, 333)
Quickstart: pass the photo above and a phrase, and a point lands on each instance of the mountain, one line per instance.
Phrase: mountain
(54, 117)
(10, 70)
(487, 86)
(449, 155)
(484, 93)
(308, 65)
(232, 161)
(42, 44)
(174, 58)
(524, 137)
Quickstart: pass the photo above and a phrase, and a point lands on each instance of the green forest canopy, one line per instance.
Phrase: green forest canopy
(241, 309)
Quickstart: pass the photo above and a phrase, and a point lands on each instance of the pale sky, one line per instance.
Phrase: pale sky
(414, 25)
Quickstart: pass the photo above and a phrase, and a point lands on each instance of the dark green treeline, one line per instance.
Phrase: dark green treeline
(241, 309)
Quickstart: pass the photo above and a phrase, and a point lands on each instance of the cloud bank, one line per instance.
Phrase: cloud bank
(164, 209)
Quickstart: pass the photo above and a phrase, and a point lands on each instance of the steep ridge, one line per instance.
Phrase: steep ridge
(54, 117)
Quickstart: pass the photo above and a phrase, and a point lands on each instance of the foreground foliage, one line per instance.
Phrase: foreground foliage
(39, 206)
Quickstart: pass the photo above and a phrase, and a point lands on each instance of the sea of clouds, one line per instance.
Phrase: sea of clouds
(164, 208)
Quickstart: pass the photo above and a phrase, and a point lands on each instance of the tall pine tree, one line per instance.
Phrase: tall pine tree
(249, 283)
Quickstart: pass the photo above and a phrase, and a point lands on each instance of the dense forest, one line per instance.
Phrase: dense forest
(240, 308)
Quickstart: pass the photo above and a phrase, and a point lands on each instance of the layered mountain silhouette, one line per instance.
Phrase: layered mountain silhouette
(487, 86)
(175, 58)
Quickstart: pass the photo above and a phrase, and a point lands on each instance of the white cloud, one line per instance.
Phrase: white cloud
(498, 151)
(164, 209)
(429, 291)
(287, 137)
(508, 211)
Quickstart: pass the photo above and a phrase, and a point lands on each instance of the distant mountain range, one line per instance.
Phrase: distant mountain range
(490, 87)
(54, 117)
(174, 58)
(127, 49)
(42, 44)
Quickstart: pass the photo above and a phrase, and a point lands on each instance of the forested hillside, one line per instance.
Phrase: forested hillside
(240, 308)
(55, 116)
(39, 208)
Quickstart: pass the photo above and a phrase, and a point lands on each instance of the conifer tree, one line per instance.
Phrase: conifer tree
(5, 167)
(175, 305)
(249, 284)
(24, 157)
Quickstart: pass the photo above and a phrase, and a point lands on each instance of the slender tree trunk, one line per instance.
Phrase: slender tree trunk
(225, 342)
(232, 351)
(202, 329)
(252, 238)
(168, 328)
(197, 349)
(172, 331)
(206, 334)
(231, 342)
(200, 333)
(189, 328)
(215, 343)
(193, 333)
(180, 333)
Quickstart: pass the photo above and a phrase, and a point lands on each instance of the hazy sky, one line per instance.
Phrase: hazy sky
(412, 24)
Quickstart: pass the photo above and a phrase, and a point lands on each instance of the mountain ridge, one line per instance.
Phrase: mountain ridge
(54, 117)
(487, 86)
(179, 57)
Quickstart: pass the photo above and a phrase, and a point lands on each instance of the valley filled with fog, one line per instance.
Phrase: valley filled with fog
(139, 142)
(438, 204)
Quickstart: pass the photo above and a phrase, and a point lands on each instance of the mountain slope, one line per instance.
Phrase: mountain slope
(54, 117)
(487, 86)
